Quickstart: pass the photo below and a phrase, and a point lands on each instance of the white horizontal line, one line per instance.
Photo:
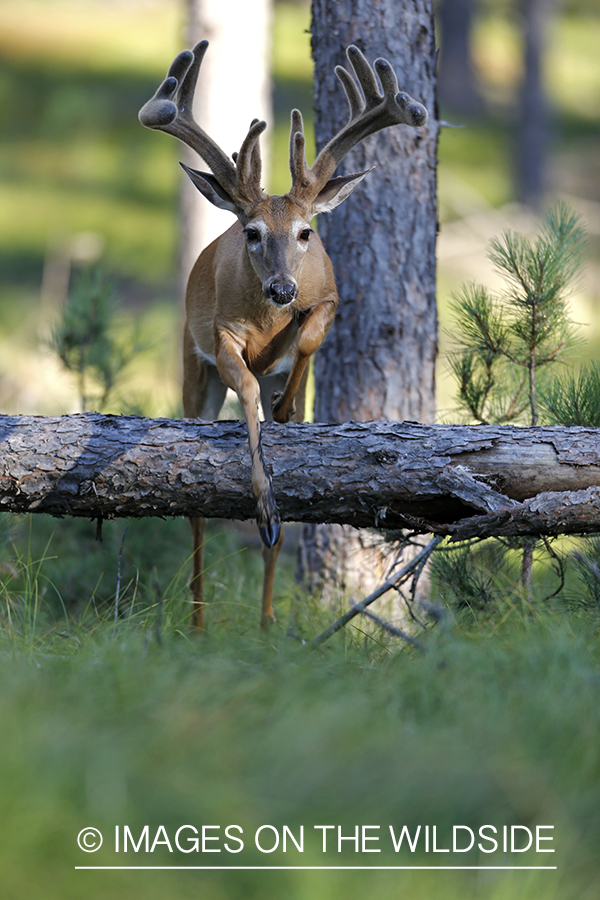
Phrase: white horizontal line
(326, 868)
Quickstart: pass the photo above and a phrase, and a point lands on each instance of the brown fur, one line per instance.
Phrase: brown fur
(230, 318)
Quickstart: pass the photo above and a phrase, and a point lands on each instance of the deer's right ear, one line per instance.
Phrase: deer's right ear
(208, 185)
(336, 190)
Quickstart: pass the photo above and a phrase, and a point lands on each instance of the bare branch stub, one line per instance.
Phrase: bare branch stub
(400, 576)
(393, 630)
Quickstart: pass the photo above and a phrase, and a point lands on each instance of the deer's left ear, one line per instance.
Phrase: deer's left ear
(336, 190)
(208, 185)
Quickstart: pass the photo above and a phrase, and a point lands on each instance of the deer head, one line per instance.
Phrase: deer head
(277, 229)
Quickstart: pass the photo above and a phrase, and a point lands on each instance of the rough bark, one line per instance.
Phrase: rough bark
(457, 480)
(379, 358)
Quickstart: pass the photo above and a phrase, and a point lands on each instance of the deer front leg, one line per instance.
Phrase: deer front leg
(236, 375)
(311, 334)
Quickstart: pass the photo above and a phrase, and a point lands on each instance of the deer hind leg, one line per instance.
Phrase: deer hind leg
(203, 397)
(270, 555)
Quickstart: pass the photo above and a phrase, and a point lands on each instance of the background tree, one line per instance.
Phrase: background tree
(89, 343)
(239, 34)
(458, 87)
(459, 90)
(534, 124)
(506, 342)
(378, 361)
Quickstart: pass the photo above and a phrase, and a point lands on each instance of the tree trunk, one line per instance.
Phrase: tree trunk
(457, 84)
(459, 480)
(534, 123)
(234, 87)
(379, 359)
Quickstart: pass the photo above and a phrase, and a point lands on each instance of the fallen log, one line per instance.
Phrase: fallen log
(448, 479)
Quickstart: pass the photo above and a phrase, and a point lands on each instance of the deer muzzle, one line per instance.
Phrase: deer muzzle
(281, 292)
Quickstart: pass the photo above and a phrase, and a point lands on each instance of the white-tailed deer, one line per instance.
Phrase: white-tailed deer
(262, 297)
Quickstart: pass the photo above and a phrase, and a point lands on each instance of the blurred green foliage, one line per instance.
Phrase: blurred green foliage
(86, 341)
(247, 729)
(74, 159)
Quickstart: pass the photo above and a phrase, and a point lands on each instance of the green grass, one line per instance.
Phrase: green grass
(43, 573)
(243, 729)
(140, 723)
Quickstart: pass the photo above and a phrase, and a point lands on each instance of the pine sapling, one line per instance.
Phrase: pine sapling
(85, 340)
(573, 398)
(503, 341)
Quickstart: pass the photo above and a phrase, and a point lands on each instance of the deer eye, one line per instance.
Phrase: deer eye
(304, 235)
(252, 235)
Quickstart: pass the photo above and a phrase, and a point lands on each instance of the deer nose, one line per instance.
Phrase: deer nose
(282, 293)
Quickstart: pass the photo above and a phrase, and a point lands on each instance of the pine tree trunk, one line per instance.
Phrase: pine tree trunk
(378, 361)
(461, 480)
(457, 84)
(534, 125)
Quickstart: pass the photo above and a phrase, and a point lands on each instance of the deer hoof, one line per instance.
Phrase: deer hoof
(280, 414)
(270, 534)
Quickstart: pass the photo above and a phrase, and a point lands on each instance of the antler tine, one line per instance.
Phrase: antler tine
(387, 77)
(160, 111)
(370, 111)
(353, 95)
(249, 165)
(365, 75)
(170, 110)
(190, 80)
(298, 165)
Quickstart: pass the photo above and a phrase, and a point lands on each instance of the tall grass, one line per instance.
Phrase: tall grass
(248, 729)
